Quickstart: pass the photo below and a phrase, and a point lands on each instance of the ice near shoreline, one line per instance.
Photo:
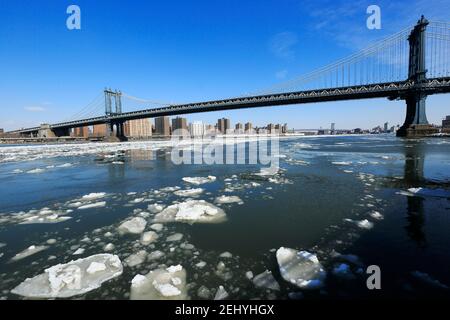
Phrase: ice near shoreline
(72, 278)
(300, 268)
(191, 211)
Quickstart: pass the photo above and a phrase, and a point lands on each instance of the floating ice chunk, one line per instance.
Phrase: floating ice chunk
(28, 252)
(135, 225)
(51, 218)
(109, 247)
(228, 199)
(376, 215)
(17, 171)
(266, 280)
(199, 180)
(155, 208)
(189, 192)
(226, 254)
(174, 237)
(155, 255)
(96, 267)
(93, 205)
(148, 237)
(300, 268)
(201, 264)
(93, 196)
(191, 211)
(342, 163)
(78, 251)
(439, 193)
(160, 284)
(221, 293)
(157, 226)
(70, 279)
(137, 200)
(136, 258)
(176, 268)
(249, 275)
(37, 170)
(65, 165)
(364, 224)
(426, 278)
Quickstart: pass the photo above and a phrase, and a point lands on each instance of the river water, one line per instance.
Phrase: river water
(359, 200)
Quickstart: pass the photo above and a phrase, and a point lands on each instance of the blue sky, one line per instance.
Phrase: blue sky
(180, 51)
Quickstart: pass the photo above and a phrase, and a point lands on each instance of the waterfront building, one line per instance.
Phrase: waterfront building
(162, 126)
(223, 125)
(138, 128)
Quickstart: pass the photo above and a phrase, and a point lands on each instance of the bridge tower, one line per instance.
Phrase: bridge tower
(416, 123)
(110, 112)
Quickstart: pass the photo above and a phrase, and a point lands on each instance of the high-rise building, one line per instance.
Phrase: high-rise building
(284, 129)
(138, 128)
(239, 128)
(223, 125)
(446, 122)
(162, 127)
(248, 127)
(386, 124)
(270, 128)
(180, 124)
(197, 129)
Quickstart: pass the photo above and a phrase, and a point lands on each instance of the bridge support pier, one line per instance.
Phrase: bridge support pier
(416, 123)
(115, 134)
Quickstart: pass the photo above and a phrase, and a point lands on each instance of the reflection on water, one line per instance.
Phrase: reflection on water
(414, 177)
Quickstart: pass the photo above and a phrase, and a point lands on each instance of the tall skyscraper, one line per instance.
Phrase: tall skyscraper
(162, 127)
(248, 127)
(270, 128)
(180, 124)
(223, 125)
(197, 129)
(386, 124)
(284, 129)
(138, 128)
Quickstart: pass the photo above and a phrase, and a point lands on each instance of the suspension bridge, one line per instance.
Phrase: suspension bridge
(409, 65)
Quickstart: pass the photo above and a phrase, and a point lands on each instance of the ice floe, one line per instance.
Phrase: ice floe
(134, 225)
(439, 193)
(148, 237)
(300, 268)
(160, 284)
(228, 199)
(99, 204)
(191, 211)
(28, 252)
(189, 192)
(136, 258)
(155, 208)
(199, 180)
(266, 280)
(72, 278)
(221, 293)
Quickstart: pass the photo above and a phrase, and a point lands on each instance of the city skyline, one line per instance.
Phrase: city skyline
(166, 67)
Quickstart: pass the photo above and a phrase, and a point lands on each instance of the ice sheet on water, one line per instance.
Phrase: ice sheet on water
(228, 199)
(199, 180)
(134, 225)
(93, 196)
(191, 211)
(300, 268)
(160, 284)
(155, 208)
(266, 280)
(72, 278)
(148, 237)
(189, 192)
(136, 258)
(99, 204)
(28, 252)
(439, 193)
